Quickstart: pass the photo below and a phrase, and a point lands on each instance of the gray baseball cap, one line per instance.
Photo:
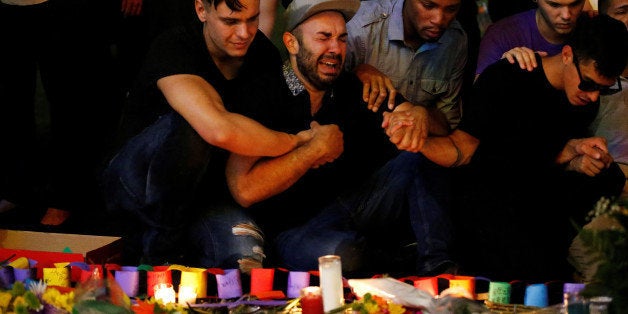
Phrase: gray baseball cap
(301, 10)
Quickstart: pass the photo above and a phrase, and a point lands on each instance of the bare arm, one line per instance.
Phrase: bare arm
(199, 104)
(254, 179)
(268, 12)
(453, 150)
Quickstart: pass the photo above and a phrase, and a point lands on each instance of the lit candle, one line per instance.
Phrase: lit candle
(187, 295)
(164, 293)
(330, 270)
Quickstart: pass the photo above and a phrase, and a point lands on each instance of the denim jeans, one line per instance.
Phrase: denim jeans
(155, 179)
(408, 191)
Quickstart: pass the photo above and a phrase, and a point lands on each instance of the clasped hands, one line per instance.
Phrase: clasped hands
(407, 125)
(587, 155)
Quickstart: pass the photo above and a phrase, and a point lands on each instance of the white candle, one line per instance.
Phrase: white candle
(187, 295)
(164, 293)
(330, 270)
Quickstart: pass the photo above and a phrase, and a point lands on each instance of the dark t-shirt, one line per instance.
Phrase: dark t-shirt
(366, 149)
(510, 212)
(521, 120)
(182, 50)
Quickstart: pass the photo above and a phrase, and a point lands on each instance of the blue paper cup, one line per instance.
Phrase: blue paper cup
(536, 295)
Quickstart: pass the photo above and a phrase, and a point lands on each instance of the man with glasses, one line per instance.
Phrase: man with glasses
(611, 121)
(589, 85)
(527, 165)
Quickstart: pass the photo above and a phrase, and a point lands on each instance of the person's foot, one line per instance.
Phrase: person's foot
(6, 206)
(54, 217)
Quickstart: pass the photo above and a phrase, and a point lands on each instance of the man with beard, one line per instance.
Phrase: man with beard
(543, 29)
(416, 48)
(359, 191)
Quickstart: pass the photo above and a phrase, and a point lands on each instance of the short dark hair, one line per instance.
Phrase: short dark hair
(234, 5)
(602, 39)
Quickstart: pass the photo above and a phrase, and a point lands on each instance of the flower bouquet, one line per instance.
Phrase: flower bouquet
(372, 304)
(600, 253)
(20, 300)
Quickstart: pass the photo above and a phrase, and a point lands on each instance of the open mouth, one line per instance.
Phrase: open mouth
(330, 66)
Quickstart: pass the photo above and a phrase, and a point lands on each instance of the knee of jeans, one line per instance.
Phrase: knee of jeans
(253, 258)
(123, 189)
(228, 245)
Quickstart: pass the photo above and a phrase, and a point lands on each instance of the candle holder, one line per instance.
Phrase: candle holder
(311, 300)
(330, 269)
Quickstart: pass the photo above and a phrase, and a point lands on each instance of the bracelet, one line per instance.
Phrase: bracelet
(458, 153)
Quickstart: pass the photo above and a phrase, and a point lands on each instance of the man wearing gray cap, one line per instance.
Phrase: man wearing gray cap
(355, 189)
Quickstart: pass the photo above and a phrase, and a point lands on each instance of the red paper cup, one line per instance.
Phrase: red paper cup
(429, 284)
(159, 275)
(262, 280)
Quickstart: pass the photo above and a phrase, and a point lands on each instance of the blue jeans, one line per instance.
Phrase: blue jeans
(409, 191)
(155, 179)
(225, 236)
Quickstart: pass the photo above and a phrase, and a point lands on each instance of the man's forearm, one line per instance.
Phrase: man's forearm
(252, 180)
(246, 136)
(440, 150)
(439, 126)
(453, 150)
(201, 106)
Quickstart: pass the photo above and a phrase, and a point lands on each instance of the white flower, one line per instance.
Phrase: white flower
(37, 287)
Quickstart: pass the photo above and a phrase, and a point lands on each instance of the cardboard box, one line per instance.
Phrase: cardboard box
(47, 247)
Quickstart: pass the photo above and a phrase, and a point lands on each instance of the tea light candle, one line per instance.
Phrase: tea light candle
(330, 270)
(164, 293)
(187, 295)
